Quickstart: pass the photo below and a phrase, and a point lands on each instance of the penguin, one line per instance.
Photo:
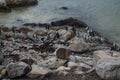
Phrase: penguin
(114, 47)
(102, 40)
(1, 43)
(48, 37)
(0, 32)
(15, 30)
(47, 27)
(91, 33)
(74, 30)
(87, 28)
(57, 36)
(66, 28)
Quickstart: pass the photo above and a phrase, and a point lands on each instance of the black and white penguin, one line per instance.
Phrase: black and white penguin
(66, 28)
(1, 43)
(87, 28)
(114, 47)
(74, 30)
(47, 27)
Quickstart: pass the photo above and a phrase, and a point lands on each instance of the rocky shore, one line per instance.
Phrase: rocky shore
(62, 50)
(7, 5)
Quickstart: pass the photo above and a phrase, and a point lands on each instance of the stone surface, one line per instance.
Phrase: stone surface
(107, 64)
(78, 47)
(17, 69)
(3, 72)
(38, 71)
(51, 63)
(62, 53)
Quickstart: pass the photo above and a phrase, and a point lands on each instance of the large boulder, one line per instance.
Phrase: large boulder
(17, 69)
(62, 53)
(78, 46)
(52, 63)
(38, 71)
(66, 35)
(107, 64)
(70, 22)
(17, 3)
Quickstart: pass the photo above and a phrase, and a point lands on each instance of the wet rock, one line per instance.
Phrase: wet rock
(20, 36)
(18, 3)
(8, 34)
(5, 9)
(28, 61)
(107, 64)
(1, 57)
(17, 69)
(64, 8)
(78, 47)
(62, 70)
(52, 63)
(40, 32)
(38, 71)
(80, 64)
(62, 53)
(52, 33)
(70, 22)
(25, 30)
(31, 24)
(66, 35)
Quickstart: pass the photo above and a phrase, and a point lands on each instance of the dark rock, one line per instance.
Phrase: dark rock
(63, 53)
(64, 8)
(17, 69)
(18, 3)
(28, 61)
(70, 22)
(31, 24)
(5, 9)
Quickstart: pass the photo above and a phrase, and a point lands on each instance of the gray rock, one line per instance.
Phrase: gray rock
(66, 35)
(107, 64)
(51, 63)
(38, 71)
(17, 69)
(63, 53)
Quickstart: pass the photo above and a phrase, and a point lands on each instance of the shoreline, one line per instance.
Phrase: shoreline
(43, 45)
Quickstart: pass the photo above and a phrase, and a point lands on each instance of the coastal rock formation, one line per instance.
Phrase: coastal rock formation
(70, 22)
(107, 64)
(18, 69)
(47, 52)
(7, 5)
(18, 3)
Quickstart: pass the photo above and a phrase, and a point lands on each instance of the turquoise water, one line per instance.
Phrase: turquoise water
(101, 15)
